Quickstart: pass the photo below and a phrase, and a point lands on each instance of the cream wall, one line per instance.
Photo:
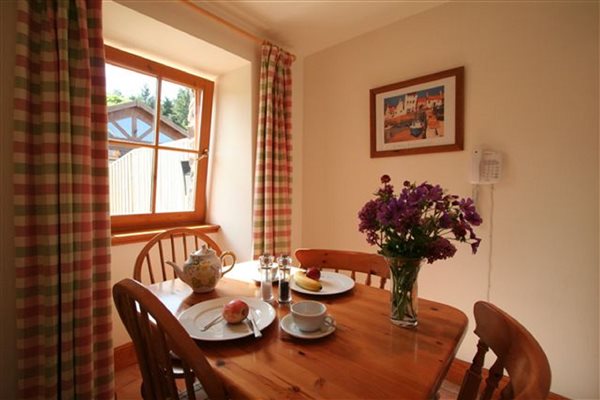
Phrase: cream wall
(531, 92)
(231, 164)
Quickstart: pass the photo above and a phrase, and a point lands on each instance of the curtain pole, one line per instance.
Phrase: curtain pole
(228, 24)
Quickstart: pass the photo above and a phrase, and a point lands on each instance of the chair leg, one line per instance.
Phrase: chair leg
(472, 380)
(491, 383)
(189, 384)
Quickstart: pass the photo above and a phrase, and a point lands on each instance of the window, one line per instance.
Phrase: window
(158, 133)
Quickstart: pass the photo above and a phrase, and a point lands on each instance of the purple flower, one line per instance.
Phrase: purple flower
(475, 245)
(372, 238)
(467, 206)
(445, 221)
(386, 192)
(368, 216)
(436, 193)
(440, 249)
(459, 230)
(418, 222)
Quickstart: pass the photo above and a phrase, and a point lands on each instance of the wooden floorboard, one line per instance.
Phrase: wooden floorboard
(128, 381)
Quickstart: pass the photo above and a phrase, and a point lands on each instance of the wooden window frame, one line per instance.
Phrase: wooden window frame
(204, 103)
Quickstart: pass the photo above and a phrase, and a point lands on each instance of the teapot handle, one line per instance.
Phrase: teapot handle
(230, 254)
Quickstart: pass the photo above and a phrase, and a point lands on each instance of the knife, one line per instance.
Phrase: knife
(252, 319)
(218, 318)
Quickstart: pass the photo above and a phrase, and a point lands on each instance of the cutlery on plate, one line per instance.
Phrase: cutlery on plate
(216, 320)
(252, 318)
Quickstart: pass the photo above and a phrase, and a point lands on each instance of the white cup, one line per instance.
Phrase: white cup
(310, 316)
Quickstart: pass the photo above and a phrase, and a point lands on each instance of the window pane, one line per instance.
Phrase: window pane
(175, 181)
(131, 101)
(130, 171)
(177, 116)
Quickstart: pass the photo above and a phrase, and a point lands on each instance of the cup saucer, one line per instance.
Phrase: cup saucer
(289, 327)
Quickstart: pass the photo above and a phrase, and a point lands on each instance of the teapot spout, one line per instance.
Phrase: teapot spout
(177, 269)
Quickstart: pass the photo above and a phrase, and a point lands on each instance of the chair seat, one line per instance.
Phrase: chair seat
(199, 392)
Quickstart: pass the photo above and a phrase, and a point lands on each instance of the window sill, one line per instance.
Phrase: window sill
(145, 235)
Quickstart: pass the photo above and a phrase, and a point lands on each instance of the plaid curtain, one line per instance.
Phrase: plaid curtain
(62, 220)
(273, 174)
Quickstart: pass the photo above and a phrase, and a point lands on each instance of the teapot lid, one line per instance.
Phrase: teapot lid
(203, 251)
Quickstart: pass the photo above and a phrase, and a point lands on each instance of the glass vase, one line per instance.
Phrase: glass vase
(404, 302)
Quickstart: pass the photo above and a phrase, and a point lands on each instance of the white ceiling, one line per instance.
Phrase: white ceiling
(301, 26)
(308, 26)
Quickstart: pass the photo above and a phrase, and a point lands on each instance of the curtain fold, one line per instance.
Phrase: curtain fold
(273, 173)
(62, 219)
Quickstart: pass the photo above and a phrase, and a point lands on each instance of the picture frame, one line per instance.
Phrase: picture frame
(420, 115)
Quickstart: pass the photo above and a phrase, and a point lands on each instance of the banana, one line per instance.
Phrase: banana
(307, 283)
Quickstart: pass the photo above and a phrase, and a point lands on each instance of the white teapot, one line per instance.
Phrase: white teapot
(203, 269)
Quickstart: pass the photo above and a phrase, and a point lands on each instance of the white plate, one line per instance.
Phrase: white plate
(198, 315)
(289, 327)
(332, 282)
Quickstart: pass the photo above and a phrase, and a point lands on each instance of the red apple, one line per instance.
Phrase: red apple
(313, 273)
(235, 311)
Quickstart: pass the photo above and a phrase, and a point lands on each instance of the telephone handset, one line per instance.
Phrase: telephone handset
(486, 166)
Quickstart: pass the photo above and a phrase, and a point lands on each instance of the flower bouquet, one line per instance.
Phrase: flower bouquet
(416, 224)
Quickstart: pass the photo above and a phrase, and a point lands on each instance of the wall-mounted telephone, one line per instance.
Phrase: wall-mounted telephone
(486, 166)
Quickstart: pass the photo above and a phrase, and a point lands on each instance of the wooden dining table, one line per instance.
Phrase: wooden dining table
(367, 357)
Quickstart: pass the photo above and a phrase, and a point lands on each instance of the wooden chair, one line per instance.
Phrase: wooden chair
(172, 245)
(516, 350)
(157, 335)
(353, 261)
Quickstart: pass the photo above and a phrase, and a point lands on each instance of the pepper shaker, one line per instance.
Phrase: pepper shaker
(285, 263)
(266, 277)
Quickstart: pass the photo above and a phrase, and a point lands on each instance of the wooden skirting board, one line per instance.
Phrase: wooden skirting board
(125, 357)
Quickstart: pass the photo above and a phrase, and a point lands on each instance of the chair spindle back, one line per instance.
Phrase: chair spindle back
(157, 335)
(517, 352)
(172, 245)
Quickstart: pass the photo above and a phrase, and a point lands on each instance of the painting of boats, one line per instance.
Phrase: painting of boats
(419, 115)
(416, 128)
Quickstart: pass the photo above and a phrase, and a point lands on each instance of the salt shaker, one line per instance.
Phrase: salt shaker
(285, 263)
(266, 277)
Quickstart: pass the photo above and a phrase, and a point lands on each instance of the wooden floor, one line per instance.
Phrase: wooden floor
(129, 379)
(127, 383)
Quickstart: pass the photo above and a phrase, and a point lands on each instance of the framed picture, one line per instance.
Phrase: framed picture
(420, 115)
